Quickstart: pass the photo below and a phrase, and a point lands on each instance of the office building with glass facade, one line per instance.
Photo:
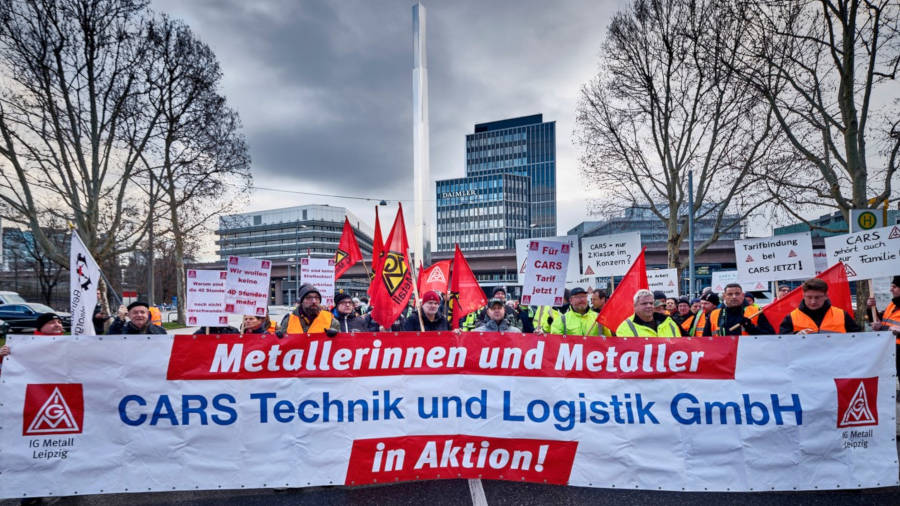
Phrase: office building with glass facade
(522, 147)
(481, 213)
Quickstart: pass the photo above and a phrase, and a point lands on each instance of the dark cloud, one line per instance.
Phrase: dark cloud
(325, 88)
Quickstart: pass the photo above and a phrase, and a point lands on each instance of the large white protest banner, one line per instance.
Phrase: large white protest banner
(609, 255)
(319, 272)
(205, 302)
(664, 280)
(866, 255)
(545, 273)
(81, 415)
(84, 276)
(247, 286)
(775, 258)
(573, 272)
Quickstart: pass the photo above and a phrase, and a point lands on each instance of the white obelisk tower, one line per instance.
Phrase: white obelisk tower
(421, 171)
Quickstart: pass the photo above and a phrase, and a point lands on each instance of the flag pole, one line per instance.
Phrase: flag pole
(413, 276)
(875, 318)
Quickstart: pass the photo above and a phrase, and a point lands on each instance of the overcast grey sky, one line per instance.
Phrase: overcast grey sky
(325, 88)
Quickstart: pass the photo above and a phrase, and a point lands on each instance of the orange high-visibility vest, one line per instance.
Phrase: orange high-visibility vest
(891, 316)
(688, 323)
(155, 316)
(322, 322)
(833, 321)
(714, 319)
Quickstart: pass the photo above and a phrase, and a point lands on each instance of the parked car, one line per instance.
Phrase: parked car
(11, 298)
(22, 317)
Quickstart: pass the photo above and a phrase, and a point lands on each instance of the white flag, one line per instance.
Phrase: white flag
(84, 275)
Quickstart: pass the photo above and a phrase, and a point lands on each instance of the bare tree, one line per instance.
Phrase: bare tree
(662, 106)
(72, 119)
(200, 160)
(828, 69)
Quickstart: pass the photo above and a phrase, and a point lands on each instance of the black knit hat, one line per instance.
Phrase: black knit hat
(46, 318)
(711, 297)
(341, 297)
(138, 303)
(896, 281)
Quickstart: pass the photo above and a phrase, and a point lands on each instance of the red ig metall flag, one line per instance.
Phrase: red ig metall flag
(348, 252)
(621, 303)
(435, 277)
(465, 293)
(392, 286)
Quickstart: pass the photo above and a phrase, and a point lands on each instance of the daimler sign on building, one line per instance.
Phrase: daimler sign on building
(460, 193)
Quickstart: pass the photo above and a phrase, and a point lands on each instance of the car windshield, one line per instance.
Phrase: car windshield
(40, 308)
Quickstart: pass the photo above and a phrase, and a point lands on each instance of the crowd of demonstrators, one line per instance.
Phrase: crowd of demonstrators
(647, 320)
(736, 316)
(816, 314)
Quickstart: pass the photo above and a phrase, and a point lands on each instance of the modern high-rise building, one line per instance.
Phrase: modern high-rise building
(509, 190)
(289, 233)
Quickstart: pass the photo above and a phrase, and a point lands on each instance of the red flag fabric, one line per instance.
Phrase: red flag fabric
(377, 248)
(435, 277)
(621, 303)
(465, 293)
(838, 294)
(348, 252)
(392, 286)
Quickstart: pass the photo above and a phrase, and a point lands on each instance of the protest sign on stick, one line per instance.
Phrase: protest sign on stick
(545, 273)
(247, 286)
(205, 302)
(609, 255)
(866, 255)
(319, 272)
(776, 258)
(664, 280)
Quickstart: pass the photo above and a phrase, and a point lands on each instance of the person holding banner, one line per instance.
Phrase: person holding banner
(696, 323)
(736, 316)
(816, 314)
(308, 317)
(139, 321)
(646, 321)
(890, 318)
(432, 318)
(579, 320)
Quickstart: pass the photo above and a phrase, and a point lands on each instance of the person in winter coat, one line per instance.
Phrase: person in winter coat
(139, 321)
(432, 318)
(309, 317)
(497, 320)
(346, 316)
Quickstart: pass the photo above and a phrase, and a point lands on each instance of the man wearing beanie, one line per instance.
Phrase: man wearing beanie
(139, 321)
(308, 317)
(345, 314)
(49, 324)
(432, 318)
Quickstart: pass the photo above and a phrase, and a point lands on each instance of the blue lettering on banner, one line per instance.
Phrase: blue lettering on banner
(222, 411)
(624, 408)
(688, 410)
